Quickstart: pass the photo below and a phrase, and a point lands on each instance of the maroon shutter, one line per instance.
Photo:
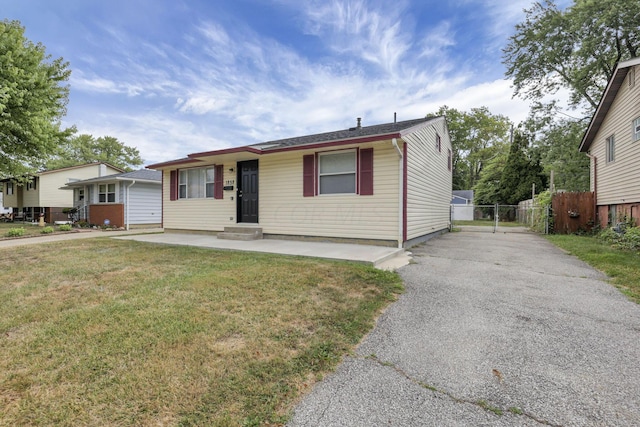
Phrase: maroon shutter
(173, 185)
(218, 185)
(366, 172)
(308, 175)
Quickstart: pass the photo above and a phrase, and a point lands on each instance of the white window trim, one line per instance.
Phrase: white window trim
(107, 192)
(31, 184)
(9, 188)
(354, 172)
(186, 183)
(611, 149)
(635, 129)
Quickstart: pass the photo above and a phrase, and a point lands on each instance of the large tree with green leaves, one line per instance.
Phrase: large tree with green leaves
(575, 49)
(522, 173)
(476, 137)
(85, 148)
(33, 99)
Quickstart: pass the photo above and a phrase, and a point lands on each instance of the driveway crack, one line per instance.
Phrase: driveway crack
(484, 404)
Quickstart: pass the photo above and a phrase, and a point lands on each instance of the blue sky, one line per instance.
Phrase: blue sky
(172, 77)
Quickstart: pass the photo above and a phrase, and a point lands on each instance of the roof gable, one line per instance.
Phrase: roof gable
(607, 99)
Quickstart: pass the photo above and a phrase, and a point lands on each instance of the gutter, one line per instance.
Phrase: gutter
(595, 189)
(127, 208)
(394, 142)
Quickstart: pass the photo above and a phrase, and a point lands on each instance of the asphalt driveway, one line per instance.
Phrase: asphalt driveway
(491, 324)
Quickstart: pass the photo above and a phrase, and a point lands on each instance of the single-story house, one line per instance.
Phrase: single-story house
(42, 193)
(462, 207)
(129, 199)
(385, 184)
(612, 141)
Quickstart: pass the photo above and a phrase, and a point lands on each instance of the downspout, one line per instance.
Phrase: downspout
(596, 220)
(394, 142)
(127, 214)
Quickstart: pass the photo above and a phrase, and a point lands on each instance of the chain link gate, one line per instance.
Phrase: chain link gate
(500, 218)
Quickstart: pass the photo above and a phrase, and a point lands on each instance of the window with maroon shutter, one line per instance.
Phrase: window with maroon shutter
(218, 186)
(173, 185)
(366, 172)
(308, 175)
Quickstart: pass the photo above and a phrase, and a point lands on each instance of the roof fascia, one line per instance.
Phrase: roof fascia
(610, 93)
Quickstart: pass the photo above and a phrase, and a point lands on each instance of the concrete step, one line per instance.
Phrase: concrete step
(241, 233)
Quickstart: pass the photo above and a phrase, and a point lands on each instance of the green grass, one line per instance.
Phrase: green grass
(30, 230)
(107, 332)
(623, 267)
(488, 223)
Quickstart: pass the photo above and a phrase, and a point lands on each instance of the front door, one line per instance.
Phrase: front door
(248, 191)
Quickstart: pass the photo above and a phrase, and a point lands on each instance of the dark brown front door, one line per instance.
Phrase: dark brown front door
(248, 191)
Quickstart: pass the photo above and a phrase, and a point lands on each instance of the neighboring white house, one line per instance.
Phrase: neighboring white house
(612, 141)
(129, 199)
(385, 184)
(462, 207)
(42, 192)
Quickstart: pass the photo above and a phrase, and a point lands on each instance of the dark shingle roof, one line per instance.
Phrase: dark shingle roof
(142, 174)
(353, 132)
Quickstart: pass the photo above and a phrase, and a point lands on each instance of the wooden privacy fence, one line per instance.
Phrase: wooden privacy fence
(573, 212)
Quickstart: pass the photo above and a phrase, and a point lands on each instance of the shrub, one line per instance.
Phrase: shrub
(628, 239)
(47, 230)
(15, 232)
(65, 227)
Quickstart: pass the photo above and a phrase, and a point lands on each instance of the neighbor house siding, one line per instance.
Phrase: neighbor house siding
(145, 203)
(429, 181)
(10, 200)
(30, 197)
(284, 210)
(51, 182)
(207, 214)
(618, 181)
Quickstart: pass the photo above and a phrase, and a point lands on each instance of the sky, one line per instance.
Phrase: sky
(174, 77)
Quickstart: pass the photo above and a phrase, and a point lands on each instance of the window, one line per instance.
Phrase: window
(9, 191)
(79, 194)
(611, 149)
(636, 129)
(449, 160)
(107, 193)
(632, 77)
(196, 183)
(337, 173)
(31, 184)
(438, 143)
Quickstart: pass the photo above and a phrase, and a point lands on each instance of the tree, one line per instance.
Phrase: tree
(487, 189)
(576, 49)
(521, 171)
(476, 137)
(33, 99)
(557, 140)
(85, 148)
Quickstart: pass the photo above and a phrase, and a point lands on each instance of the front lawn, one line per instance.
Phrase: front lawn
(30, 230)
(622, 266)
(108, 332)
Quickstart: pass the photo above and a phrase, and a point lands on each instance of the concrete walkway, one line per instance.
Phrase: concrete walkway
(378, 256)
(493, 330)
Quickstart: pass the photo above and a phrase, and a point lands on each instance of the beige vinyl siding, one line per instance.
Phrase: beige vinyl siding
(619, 181)
(206, 214)
(429, 181)
(284, 210)
(50, 194)
(10, 200)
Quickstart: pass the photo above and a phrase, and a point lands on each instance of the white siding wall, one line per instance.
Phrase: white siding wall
(619, 181)
(429, 181)
(284, 210)
(199, 214)
(145, 203)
